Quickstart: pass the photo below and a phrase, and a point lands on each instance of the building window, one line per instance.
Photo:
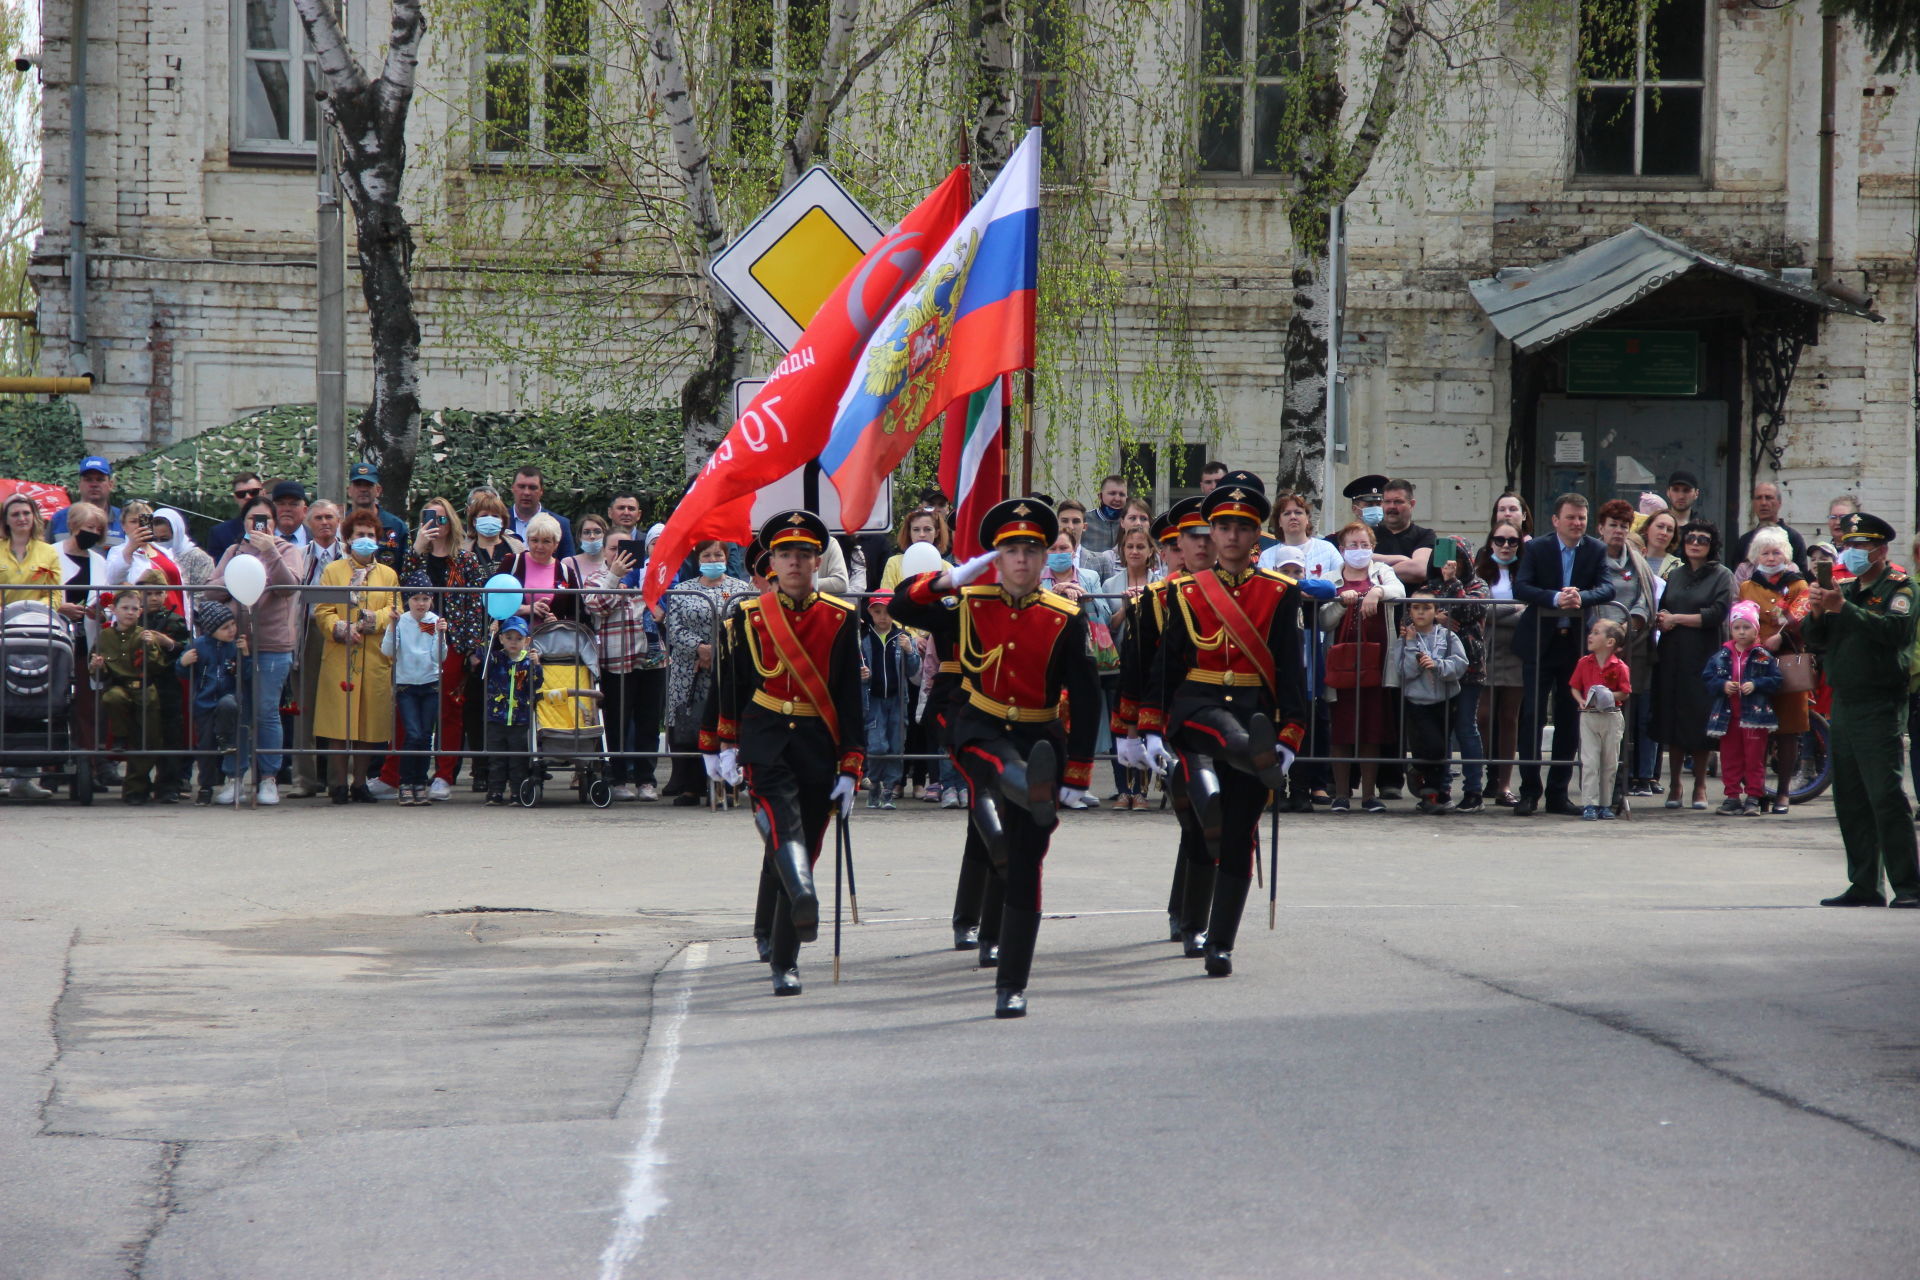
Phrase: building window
(1162, 473)
(775, 52)
(1043, 51)
(1643, 87)
(273, 101)
(537, 81)
(1248, 51)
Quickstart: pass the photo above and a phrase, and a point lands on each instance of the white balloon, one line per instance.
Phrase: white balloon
(246, 579)
(921, 557)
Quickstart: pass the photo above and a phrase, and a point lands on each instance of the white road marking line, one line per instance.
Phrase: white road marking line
(643, 1198)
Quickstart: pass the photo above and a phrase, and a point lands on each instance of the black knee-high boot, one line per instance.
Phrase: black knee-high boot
(975, 871)
(1034, 786)
(1195, 905)
(763, 907)
(1019, 930)
(993, 899)
(795, 869)
(1229, 900)
(1203, 792)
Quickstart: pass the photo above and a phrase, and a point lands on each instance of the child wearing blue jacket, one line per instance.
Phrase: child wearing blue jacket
(215, 661)
(513, 689)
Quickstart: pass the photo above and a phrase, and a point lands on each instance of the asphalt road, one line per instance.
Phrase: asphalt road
(288, 1045)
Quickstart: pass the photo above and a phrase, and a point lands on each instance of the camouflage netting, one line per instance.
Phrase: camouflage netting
(40, 440)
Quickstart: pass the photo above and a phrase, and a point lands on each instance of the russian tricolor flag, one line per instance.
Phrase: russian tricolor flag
(966, 321)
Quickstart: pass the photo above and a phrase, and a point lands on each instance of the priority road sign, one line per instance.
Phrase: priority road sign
(784, 265)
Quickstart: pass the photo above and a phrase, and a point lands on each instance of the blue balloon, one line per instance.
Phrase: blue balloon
(504, 596)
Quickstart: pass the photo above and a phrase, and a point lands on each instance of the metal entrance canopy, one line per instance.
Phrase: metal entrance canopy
(1535, 306)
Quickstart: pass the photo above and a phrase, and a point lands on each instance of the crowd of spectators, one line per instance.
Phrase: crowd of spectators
(1620, 633)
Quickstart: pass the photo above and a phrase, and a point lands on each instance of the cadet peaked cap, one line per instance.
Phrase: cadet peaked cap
(1019, 519)
(794, 528)
(1237, 502)
(1187, 517)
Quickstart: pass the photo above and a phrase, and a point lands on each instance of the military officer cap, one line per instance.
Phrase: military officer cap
(1019, 520)
(1163, 529)
(1365, 487)
(1863, 528)
(1236, 501)
(1241, 480)
(794, 528)
(1187, 517)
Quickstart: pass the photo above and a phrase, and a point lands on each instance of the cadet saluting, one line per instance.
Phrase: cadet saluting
(1019, 649)
(786, 705)
(1228, 667)
(1866, 631)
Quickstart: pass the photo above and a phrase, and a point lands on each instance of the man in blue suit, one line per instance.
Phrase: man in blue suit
(1567, 571)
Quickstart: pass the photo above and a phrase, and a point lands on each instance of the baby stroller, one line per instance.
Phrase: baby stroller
(36, 696)
(567, 726)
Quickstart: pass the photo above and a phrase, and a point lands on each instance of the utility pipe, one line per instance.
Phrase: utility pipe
(78, 359)
(46, 386)
(1829, 63)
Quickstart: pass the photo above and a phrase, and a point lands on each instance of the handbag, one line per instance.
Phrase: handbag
(1799, 672)
(1356, 663)
(1106, 654)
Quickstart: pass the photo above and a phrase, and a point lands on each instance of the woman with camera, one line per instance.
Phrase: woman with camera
(272, 630)
(355, 707)
(440, 551)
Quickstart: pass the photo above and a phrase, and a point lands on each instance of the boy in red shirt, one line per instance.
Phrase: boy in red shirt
(1601, 684)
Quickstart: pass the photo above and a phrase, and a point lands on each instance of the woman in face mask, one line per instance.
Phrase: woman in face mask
(1361, 723)
(1500, 709)
(1081, 586)
(1784, 598)
(590, 539)
(443, 552)
(491, 540)
(1693, 609)
(692, 608)
(355, 706)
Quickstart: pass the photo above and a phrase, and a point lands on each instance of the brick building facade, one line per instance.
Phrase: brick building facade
(202, 308)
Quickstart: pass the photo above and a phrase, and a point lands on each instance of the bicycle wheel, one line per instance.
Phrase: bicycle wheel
(1815, 773)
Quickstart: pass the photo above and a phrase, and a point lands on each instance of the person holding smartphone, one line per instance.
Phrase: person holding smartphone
(440, 552)
(272, 626)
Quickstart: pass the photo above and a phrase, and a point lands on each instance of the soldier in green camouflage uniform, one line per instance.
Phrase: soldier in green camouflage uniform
(1865, 629)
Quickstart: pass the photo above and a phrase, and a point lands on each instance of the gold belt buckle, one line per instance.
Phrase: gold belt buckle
(1226, 678)
(786, 708)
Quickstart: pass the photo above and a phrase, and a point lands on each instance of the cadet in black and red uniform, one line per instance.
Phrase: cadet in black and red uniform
(977, 899)
(1020, 649)
(786, 706)
(1227, 671)
(1182, 533)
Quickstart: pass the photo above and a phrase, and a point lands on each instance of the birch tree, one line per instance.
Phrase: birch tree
(369, 118)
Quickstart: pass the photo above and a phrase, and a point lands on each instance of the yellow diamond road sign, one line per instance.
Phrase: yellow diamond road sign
(783, 267)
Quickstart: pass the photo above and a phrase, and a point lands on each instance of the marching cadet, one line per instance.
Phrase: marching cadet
(1228, 666)
(1184, 528)
(786, 706)
(1019, 649)
(1866, 629)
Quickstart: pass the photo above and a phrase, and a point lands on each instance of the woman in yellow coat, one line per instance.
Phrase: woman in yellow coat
(354, 705)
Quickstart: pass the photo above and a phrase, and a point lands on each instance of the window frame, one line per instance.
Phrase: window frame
(1706, 83)
(1249, 82)
(539, 68)
(274, 152)
(1167, 455)
(778, 81)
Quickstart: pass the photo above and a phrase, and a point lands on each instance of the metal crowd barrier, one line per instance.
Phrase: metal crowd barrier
(59, 743)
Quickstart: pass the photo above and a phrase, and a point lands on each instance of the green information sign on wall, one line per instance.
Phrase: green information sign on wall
(1634, 362)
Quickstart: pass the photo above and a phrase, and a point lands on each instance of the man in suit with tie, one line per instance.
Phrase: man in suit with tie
(1567, 571)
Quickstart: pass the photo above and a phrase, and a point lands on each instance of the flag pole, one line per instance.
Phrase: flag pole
(1026, 429)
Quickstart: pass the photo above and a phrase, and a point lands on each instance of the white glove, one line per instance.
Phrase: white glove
(1286, 757)
(1071, 796)
(973, 568)
(843, 789)
(1130, 753)
(712, 761)
(729, 759)
(1159, 759)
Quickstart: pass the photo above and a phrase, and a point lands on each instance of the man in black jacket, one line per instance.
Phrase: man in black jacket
(1558, 578)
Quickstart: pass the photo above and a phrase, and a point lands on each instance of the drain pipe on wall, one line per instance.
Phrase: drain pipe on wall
(78, 360)
(1829, 73)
